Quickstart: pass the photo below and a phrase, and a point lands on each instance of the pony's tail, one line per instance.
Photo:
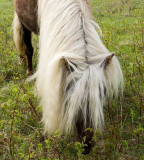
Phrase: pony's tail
(79, 88)
(18, 37)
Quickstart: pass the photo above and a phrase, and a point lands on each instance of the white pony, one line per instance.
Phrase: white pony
(75, 71)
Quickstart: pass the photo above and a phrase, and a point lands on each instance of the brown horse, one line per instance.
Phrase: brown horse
(25, 23)
(75, 71)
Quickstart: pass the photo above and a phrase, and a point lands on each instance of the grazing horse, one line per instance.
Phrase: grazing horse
(75, 70)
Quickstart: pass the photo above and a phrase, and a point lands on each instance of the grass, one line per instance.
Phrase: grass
(21, 133)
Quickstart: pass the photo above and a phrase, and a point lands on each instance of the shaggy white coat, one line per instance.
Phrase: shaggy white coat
(69, 41)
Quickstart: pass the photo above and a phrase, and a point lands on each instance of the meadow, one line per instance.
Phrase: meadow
(21, 130)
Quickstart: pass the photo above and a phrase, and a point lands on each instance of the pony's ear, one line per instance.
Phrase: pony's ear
(107, 61)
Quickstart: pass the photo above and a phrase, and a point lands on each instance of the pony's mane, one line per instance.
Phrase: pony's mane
(68, 37)
(68, 27)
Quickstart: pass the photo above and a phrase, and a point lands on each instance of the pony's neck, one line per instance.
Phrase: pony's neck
(67, 26)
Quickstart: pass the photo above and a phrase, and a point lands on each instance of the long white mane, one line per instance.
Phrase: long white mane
(69, 74)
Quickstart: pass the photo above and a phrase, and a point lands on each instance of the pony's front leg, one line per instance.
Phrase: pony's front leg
(28, 50)
(22, 39)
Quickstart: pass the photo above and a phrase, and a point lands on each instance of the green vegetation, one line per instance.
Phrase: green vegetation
(21, 138)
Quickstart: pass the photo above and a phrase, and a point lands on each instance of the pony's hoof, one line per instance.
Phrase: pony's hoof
(29, 73)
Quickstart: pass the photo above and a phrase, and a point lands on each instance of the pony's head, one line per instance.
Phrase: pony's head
(84, 84)
(88, 85)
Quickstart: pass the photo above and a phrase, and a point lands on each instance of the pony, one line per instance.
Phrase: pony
(76, 73)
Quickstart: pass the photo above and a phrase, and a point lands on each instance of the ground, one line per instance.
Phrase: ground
(21, 131)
